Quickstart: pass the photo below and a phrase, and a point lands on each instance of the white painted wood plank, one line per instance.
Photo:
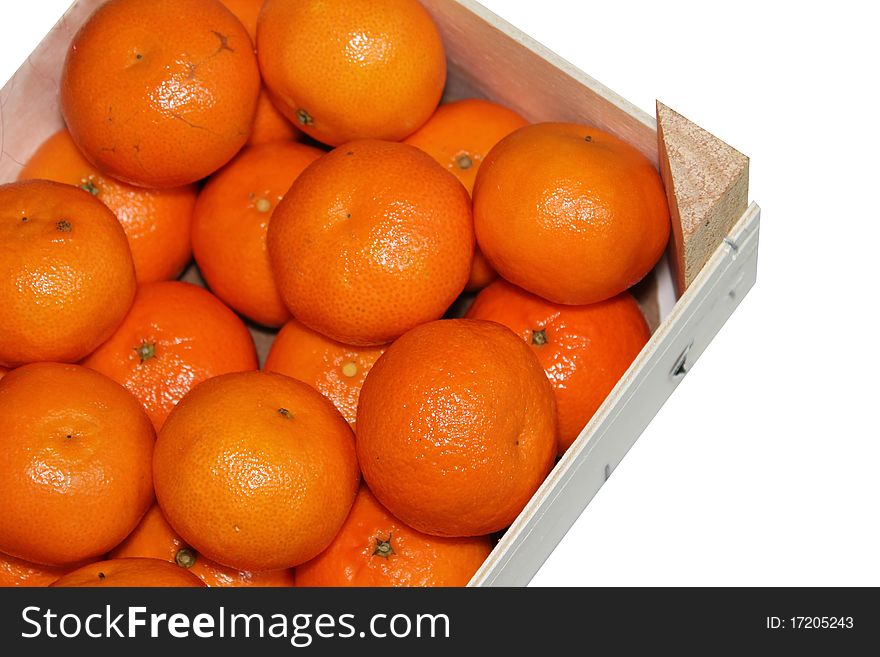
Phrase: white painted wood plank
(492, 59)
(489, 57)
(633, 403)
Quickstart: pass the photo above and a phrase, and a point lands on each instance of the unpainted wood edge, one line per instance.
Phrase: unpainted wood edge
(692, 246)
(676, 243)
(718, 223)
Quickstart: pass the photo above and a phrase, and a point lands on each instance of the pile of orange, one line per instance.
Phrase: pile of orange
(335, 209)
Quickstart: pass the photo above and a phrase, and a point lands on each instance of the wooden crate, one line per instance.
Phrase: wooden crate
(687, 298)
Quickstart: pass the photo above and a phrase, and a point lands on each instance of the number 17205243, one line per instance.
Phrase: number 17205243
(810, 623)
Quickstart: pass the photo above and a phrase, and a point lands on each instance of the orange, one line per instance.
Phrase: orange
(175, 336)
(231, 221)
(372, 239)
(155, 538)
(334, 369)
(156, 222)
(75, 473)
(456, 427)
(269, 123)
(458, 136)
(246, 11)
(3, 372)
(584, 349)
(256, 471)
(16, 572)
(481, 272)
(161, 93)
(569, 212)
(351, 69)
(374, 548)
(461, 133)
(128, 573)
(66, 274)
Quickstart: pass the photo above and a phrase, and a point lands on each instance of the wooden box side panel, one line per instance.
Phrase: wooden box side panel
(29, 101)
(672, 350)
(490, 58)
(487, 57)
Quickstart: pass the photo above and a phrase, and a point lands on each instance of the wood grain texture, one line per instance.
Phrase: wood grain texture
(707, 185)
(628, 409)
(489, 58)
(29, 110)
(645, 292)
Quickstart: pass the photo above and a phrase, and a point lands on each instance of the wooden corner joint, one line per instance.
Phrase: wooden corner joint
(707, 185)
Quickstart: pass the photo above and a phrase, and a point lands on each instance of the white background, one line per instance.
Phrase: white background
(762, 469)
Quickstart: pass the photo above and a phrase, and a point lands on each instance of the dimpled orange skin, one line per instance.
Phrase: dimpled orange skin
(269, 123)
(372, 239)
(336, 370)
(569, 212)
(584, 349)
(256, 471)
(374, 548)
(246, 11)
(156, 222)
(162, 93)
(154, 538)
(351, 69)
(16, 572)
(456, 427)
(175, 336)
(458, 136)
(481, 272)
(75, 474)
(231, 221)
(133, 572)
(66, 274)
